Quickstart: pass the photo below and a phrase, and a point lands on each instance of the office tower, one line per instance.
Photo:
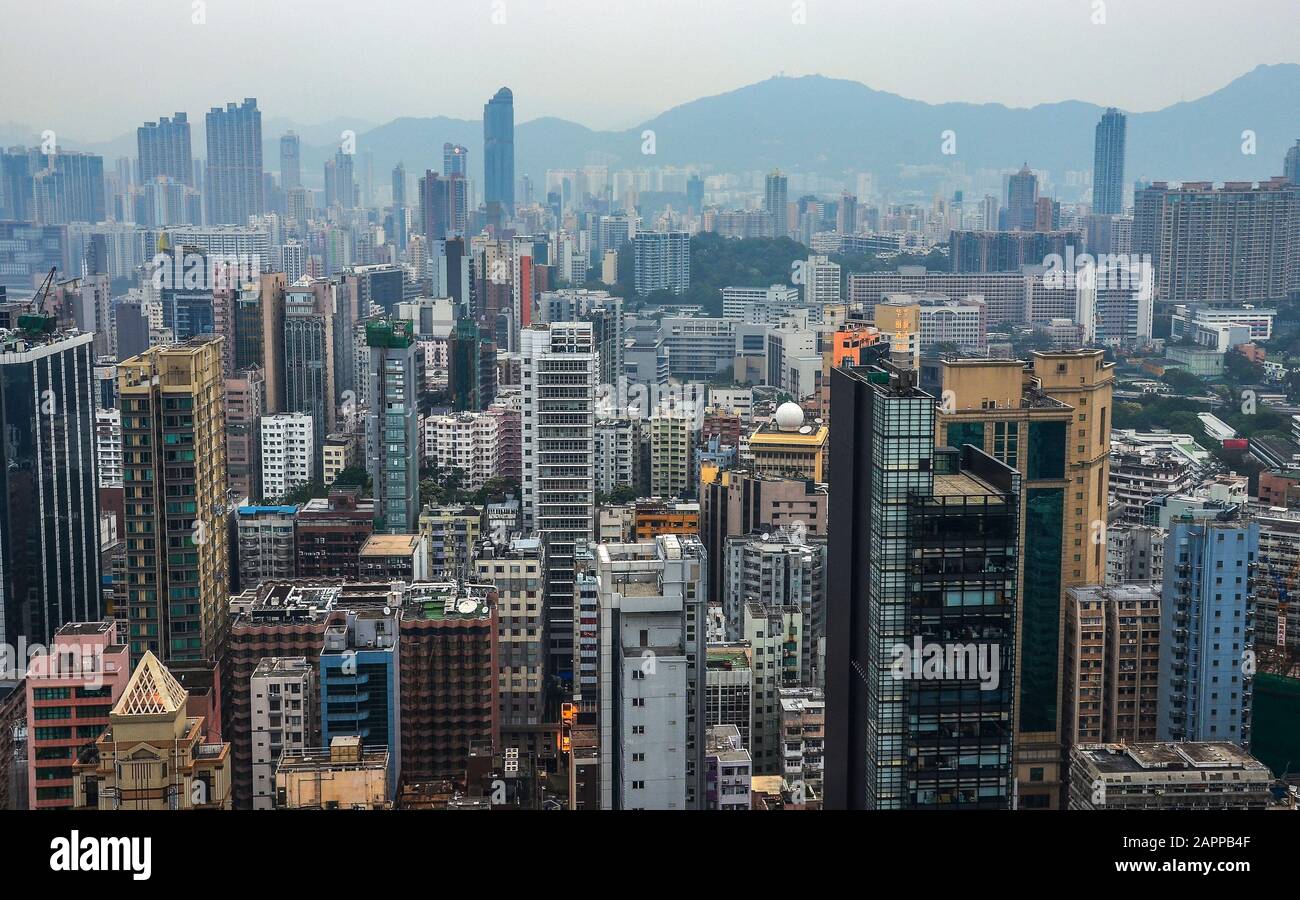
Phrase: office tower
(185, 278)
(516, 571)
(499, 157)
(779, 568)
(49, 505)
(361, 682)
(453, 274)
(245, 396)
(1291, 165)
(340, 181)
(399, 204)
(164, 150)
(434, 206)
(450, 677)
(1112, 664)
(455, 160)
(309, 358)
(846, 214)
(651, 673)
(283, 719)
(290, 161)
(671, 466)
(662, 261)
(1021, 418)
(1207, 630)
(392, 428)
(740, 502)
(233, 185)
(694, 195)
(1236, 242)
(288, 453)
(177, 590)
(471, 362)
(775, 203)
(902, 670)
(150, 720)
(259, 334)
(560, 363)
(69, 692)
(1108, 164)
(265, 544)
(1172, 776)
(1022, 200)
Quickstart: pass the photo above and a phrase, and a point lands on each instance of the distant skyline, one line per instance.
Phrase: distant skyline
(607, 64)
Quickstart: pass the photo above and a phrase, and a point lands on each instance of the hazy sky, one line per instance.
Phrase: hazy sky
(94, 69)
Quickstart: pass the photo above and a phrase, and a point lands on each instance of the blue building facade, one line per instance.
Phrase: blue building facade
(360, 690)
(1207, 630)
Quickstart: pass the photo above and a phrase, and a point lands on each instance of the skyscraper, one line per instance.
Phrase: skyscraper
(499, 157)
(234, 185)
(164, 150)
(560, 368)
(392, 429)
(1025, 419)
(1022, 200)
(776, 205)
(49, 508)
(1291, 165)
(455, 160)
(1108, 164)
(921, 615)
(309, 360)
(290, 161)
(171, 399)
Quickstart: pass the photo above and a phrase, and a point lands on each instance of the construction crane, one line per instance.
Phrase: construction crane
(34, 321)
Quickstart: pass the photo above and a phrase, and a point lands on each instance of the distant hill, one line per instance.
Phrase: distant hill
(834, 127)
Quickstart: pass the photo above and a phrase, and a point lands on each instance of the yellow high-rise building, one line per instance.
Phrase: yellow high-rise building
(1050, 421)
(174, 481)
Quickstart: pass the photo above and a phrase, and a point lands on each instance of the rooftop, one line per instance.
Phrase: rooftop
(390, 545)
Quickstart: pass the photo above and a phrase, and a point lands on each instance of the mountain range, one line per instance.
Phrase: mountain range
(834, 127)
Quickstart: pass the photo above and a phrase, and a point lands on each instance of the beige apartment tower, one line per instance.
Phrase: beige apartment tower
(174, 479)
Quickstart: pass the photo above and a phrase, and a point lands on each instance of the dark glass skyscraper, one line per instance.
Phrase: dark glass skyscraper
(164, 149)
(290, 161)
(49, 506)
(234, 181)
(499, 156)
(1022, 200)
(921, 613)
(1108, 164)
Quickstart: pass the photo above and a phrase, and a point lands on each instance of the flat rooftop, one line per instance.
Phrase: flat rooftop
(1141, 758)
(390, 545)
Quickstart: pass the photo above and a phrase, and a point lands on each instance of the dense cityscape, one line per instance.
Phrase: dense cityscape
(367, 471)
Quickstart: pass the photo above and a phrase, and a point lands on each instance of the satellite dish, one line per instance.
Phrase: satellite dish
(805, 429)
(467, 606)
